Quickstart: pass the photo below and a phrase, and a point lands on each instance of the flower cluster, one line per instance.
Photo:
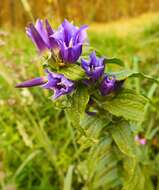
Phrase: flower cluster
(94, 69)
(65, 46)
(66, 42)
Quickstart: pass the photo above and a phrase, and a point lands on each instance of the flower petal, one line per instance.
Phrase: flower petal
(42, 31)
(71, 54)
(59, 84)
(94, 68)
(80, 35)
(36, 38)
(33, 82)
(69, 31)
(107, 85)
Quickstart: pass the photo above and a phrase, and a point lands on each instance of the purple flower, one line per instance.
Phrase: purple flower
(59, 84)
(33, 82)
(140, 140)
(110, 84)
(70, 40)
(94, 68)
(107, 85)
(40, 35)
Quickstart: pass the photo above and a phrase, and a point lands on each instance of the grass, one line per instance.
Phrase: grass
(37, 146)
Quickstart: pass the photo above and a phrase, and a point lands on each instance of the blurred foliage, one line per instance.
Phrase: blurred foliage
(19, 12)
(39, 150)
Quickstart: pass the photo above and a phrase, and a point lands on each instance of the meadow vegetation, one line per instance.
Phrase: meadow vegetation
(38, 149)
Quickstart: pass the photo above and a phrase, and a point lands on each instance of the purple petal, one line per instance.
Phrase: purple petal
(71, 54)
(42, 31)
(107, 85)
(69, 31)
(33, 82)
(85, 64)
(98, 72)
(94, 68)
(41, 35)
(80, 35)
(93, 59)
(64, 52)
(53, 79)
(57, 94)
(59, 84)
(51, 40)
(76, 51)
(59, 34)
(49, 28)
(36, 38)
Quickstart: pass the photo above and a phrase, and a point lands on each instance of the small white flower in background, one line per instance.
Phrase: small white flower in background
(27, 97)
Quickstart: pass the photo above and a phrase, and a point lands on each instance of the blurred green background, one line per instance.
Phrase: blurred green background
(37, 147)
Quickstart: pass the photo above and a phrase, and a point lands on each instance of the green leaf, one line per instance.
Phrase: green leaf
(123, 137)
(72, 72)
(121, 75)
(142, 75)
(127, 104)
(78, 103)
(136, 181)
(100, 167)
(102, 164)
(93, 127)
(62, 102)
(94, 124)
(68, 179)
(114, 61)
(134, 178)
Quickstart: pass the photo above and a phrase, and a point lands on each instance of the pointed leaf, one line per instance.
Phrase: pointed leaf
(78, 102)
(68, 179)
(136, 181)
(114, 61)
(72, 72)
(121, 75)
(123, 138)
(127, 104)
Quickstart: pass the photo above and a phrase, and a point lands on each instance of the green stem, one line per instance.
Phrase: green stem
(136, 69)
(25, 162)
(150, 95)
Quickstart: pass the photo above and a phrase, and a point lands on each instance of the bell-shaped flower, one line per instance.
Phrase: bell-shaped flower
(70, 40)
(40, 35)
(109, 85)
(94, 68)
(59, 84)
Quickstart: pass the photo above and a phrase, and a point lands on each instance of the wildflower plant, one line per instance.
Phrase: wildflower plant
(98, 106)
